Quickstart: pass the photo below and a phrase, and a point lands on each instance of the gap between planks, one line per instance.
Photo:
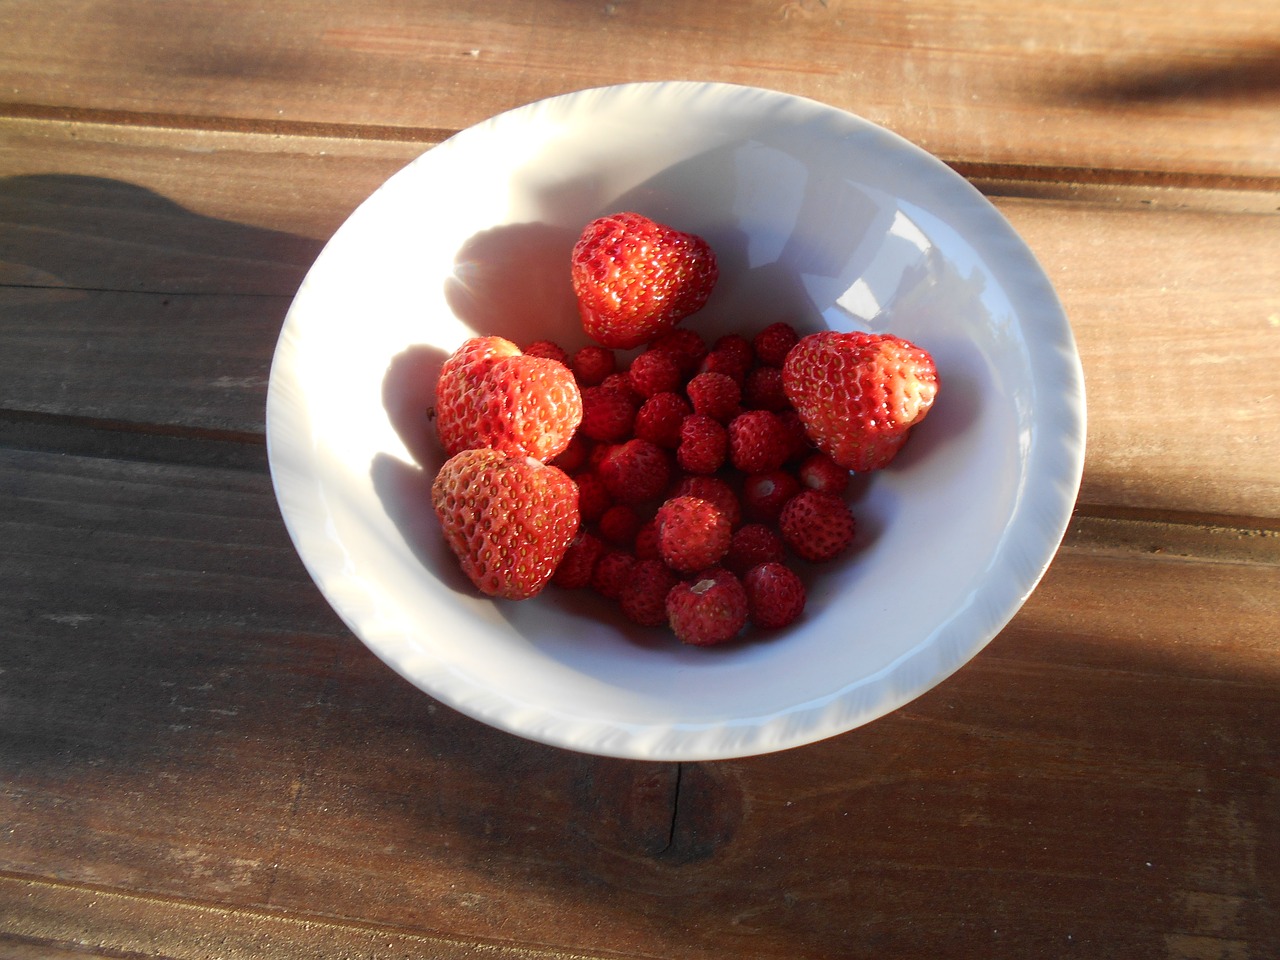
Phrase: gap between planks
(993, 178)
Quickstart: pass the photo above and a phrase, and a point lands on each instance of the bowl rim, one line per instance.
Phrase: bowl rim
(1043, 508)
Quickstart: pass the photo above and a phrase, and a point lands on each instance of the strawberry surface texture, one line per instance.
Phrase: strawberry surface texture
(635, 279)
(491, 395)
(508, 519)
(858, 394)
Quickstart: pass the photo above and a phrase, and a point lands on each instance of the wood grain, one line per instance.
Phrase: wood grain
(187, 727)
(1146, 90)
(127, 259)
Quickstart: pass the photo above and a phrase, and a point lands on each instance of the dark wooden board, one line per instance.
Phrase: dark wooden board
(186, 723)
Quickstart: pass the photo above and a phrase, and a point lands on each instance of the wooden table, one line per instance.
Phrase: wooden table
(198, 760)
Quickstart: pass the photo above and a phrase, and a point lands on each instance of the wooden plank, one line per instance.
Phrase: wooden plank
(108, 266)
(1144, 89)
(187, 732)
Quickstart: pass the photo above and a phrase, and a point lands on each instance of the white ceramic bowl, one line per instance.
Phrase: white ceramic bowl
(817, 217)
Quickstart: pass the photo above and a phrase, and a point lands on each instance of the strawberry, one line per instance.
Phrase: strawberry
(644, 597)
(489, 394)
(775, 595)
(772, 344)
(635, 279)
(752, 545)
(659, 418)
(655, 371)
(708, 610)
(758, 441)
(704, 444)
(508, 519)
(817, 526)
(635, 471)
(858, 394)
(692, 533)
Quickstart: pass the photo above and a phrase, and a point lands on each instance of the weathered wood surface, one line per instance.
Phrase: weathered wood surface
(187, 723)
(117, 260)
(1084, 84)
(197, 759)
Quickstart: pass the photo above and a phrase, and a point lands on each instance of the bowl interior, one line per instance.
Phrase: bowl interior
(816, 217)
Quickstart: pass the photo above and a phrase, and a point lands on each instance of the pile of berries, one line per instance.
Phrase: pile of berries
(684, 484)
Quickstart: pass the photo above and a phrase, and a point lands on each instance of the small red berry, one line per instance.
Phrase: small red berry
(686, 346)
(608, 414)
(772, 344)
(714, 395)
(775, 595)
(619, 525)
(635, 471)
(765, 494)
(817, 526)
(752, 545)
(758, 441)
(612, 572)
(579, 560)
(644, 596)
(659, 418)
(692, 533)
(549, 350)
(593, 498)
(820, 472)
(704, 444)
(763, 390)
(592, 364)
(709, 610)
(654, 371)
(715, 490)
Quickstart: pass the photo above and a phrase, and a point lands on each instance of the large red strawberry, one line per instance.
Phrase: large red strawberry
(489, 394)
(858, 394)
(635, 279)
(508, 519)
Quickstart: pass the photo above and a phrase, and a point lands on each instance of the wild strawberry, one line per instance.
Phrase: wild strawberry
(654, 371)
(644, 596)
(591, 364)
(709, 610)
(819, 472)
(775, 595)
(608, 414)
(757, 441)
(692, 534)
(635, 471)
(772, 344)
(763, 390)
(489, 394)
(508, 519)
(704, 444)
(659, 418)
(619, 525)
(859, 394)
(593, 498)
(817, 526)
(752, 545)
(647, 545)
(574, 571)
(730, 355)
(714, 489)
(635, 279)
(714, 395)
(549, 350)
(612, 572)
(765, 494)
(574, 456)
(686, 346)
(621, 380)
